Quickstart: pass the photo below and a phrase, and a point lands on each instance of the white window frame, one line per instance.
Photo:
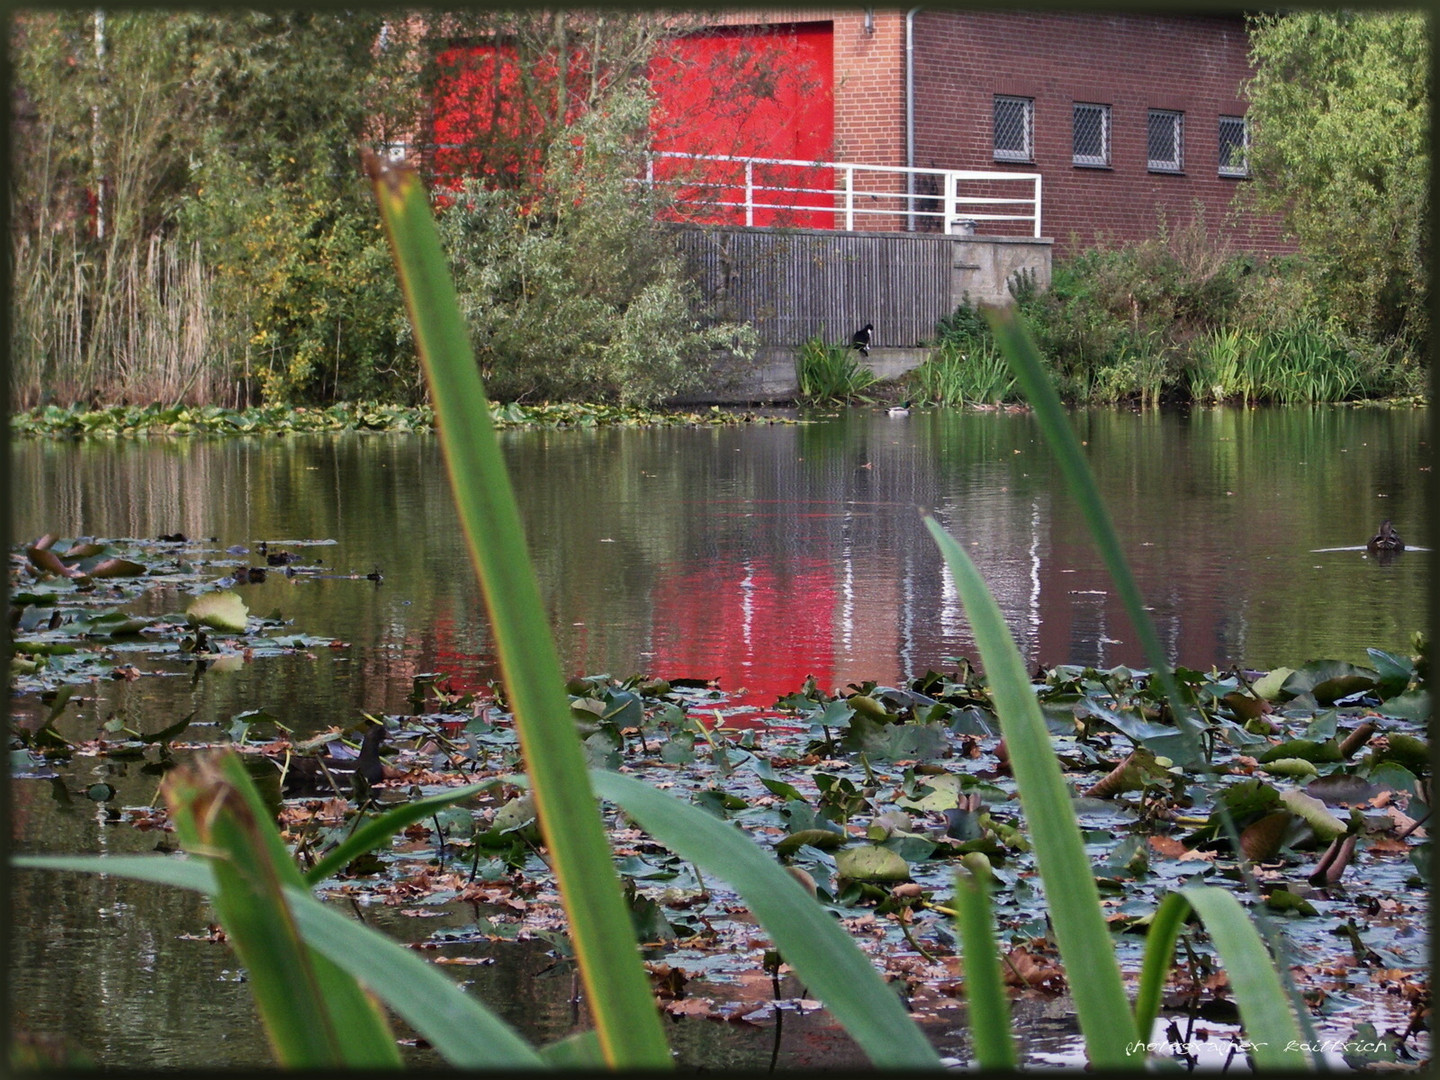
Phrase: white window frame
(1096, 114)
(1232, 168)
(1176, 123)
(1027, 133)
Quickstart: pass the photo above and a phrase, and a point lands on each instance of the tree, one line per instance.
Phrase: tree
(572, 283)
(1340, 144)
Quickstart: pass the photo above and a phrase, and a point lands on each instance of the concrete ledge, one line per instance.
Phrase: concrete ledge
(770, 377)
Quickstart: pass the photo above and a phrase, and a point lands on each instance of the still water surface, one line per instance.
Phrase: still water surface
(761, 555)
(756, 556)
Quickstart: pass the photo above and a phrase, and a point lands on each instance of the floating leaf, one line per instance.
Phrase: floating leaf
(115, 567)
(1290, 766)
(1324, 824)
(824, 839)
(223, 611)
(871, 862)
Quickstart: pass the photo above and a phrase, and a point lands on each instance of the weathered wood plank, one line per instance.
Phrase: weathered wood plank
(792, 285)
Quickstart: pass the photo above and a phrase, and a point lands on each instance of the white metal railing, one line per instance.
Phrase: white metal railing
(962, 194)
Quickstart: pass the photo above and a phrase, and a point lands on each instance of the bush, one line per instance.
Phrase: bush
(580, 297)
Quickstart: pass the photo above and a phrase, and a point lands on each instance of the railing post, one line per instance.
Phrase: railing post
(749, 193)
(849, 199)
(1037, 206)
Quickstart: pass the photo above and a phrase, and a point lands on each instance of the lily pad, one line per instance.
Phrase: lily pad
(871, 862)
(223, 611)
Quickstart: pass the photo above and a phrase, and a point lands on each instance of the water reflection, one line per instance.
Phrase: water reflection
(765, 554)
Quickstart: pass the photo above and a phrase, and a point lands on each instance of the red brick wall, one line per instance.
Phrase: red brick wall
(1131, 62)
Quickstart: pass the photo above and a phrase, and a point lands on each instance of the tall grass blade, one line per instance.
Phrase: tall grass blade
(462, 1030)
(626, 1018)
(1070, 890)
(808, 937)
(314, 1014)
(1057, 432)
(989, 1008)
(1270, 1025)
(1055, 426)
(377, 830)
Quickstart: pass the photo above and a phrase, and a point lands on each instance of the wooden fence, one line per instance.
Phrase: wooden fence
(794, 284)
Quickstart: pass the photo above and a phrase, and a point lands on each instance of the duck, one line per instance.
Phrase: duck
(861, 339)
(903, 409)
(1387, 539)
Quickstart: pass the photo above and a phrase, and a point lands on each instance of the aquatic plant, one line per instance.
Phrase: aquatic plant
(831, 374)
(960, 373)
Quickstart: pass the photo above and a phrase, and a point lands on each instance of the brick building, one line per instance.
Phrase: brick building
(1129, 119)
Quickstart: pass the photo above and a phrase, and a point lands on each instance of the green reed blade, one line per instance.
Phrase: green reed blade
(466, 1033)
(626, 1018)
(823, 955)
(1274, 1035)
(462, 1030)
(985, 999)
(315, 1015)
(1058, 433)
(1071, 894)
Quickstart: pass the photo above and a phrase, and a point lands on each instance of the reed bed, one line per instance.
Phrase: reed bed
(141, 326)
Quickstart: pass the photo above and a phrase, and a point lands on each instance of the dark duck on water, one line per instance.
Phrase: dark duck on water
(1387, 539)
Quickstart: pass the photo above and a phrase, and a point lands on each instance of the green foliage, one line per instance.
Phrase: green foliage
(1178, 316)
(831, 374)
(580, 297)
(165, 253)
(963, 371)
(1340, 143)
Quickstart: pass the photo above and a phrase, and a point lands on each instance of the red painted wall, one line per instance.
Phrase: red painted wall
(764, 92)
(735, 91)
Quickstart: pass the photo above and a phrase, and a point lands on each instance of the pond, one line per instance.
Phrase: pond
(754, 556)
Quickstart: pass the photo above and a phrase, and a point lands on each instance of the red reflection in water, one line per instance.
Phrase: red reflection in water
(736, 620)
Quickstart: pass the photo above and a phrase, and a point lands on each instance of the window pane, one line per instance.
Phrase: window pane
(1092, 135)
(1234, 142)
(1013, 118)
(1165, 140)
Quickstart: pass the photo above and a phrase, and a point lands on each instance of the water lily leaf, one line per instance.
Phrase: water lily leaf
(1261, 840)
(824, 839)
(1414, 705)
(223, 611)
(938, 793)
(114, 567)
(1330, 680)
(46, 561)
(1271, 685)
(1285, 900)
(1290, 766)
(871, 862)
(1306, 749)
(1395, 672)
(1324, 824)
(108, 624)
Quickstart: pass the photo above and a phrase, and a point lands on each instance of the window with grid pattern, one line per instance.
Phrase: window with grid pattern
(1166, 141)
(1234, 146)
(1092, 135)
(1014, 128)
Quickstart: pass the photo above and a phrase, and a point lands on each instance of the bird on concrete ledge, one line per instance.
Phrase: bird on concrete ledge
(861, 339)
